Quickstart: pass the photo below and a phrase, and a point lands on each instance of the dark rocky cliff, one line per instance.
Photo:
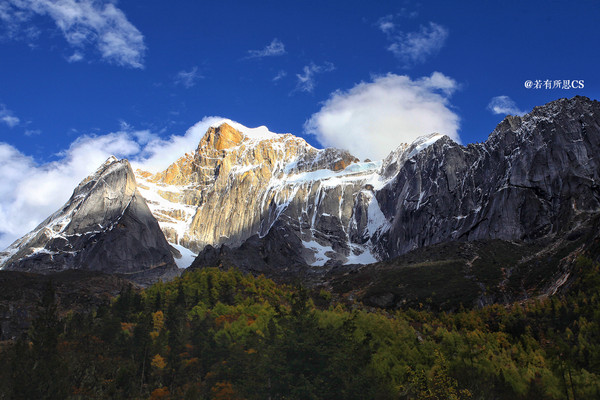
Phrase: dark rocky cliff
(532, 177)
(536, 177)
(105, 226)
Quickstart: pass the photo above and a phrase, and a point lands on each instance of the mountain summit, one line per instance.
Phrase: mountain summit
(240, 182)
(267, 202)
(105, 226)
(536, 176)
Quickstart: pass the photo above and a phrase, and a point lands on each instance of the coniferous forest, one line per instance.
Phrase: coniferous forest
(215, 334)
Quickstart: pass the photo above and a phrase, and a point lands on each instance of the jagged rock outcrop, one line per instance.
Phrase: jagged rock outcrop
(531, 178)
(278, 254)
(535, 176)
(240, 182)
(105, 226)
(269, 202)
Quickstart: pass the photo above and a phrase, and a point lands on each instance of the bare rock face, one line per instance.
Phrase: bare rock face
(249, 190)
(237, 185)
(105, 226)
(279, 253)
(272, 203)
(533, 177)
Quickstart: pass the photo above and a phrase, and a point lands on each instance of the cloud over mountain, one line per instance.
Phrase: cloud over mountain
(373, 118)
(504, 105)
(30, 191)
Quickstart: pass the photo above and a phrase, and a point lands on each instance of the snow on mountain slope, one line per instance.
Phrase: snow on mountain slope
(259, 133)
(240, 181)
(278, 200)
(105, 226)
(68, 219)
(432, 190)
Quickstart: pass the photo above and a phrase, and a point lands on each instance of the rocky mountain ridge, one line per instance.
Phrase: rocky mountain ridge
(105, 226)
(240, 183)
(536, 176)
(532, 177)
(271, 203)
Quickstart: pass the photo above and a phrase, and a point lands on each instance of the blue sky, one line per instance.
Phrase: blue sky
(82, 76)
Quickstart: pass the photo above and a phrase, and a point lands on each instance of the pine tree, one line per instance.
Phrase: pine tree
(47, 378)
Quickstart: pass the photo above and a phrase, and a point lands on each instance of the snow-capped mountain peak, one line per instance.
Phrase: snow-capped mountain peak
(264, 200)
(105, 226)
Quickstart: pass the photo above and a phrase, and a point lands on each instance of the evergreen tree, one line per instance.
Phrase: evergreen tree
(47, 379)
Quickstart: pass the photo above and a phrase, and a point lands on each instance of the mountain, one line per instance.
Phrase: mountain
(271, 203)
(242, 182)
(535, 177)
(105, 226)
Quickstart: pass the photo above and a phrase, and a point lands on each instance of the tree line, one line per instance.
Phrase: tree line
(214, 334)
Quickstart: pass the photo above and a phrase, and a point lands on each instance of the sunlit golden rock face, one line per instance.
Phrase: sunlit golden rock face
(235, 185)
(221, 138)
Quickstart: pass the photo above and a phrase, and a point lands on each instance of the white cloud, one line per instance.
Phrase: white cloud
(188, 78)
(386, 24)
(306, 80)
(504, 105)
(32, 132)
(280, 75)
(8, 117)
(12, 20)
(75, 57)
(83, 23)
(413, 47)
(275, 48)
(30, 192)
(373, 118)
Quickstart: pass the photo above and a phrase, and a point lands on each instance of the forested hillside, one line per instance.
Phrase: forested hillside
(215, 334)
